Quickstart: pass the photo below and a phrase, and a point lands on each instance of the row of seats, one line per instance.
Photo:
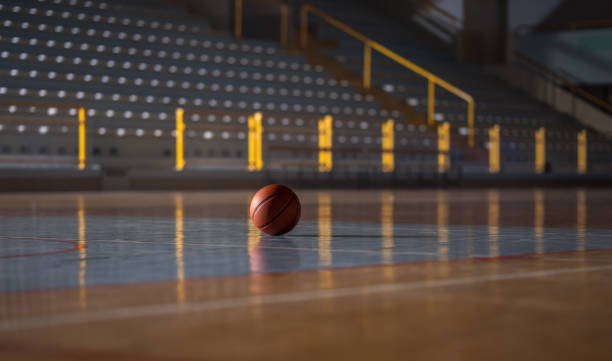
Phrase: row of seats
(157, 8)
(450, 118)
(512, 137)
(131, 69)
(272, 137)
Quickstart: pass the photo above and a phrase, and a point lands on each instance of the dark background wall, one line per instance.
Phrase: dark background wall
(484, 35)
(484, 22)
(261, 18)
(219, 13)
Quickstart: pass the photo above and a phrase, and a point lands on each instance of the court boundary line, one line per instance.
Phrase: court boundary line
(75, 244)
(273, 299)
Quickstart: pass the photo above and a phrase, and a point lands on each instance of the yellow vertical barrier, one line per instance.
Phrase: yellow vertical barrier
(258, 144)
(388, 144)
(325, 144)
(252, 142)
(238, 19)
(431, 101)
(284, 24)
(255, 142)
(82, 138)
(443, 147)
(367, 65)
(180, 129)
(494, 165)
(540, 150)
(329, 125)
(582, 152)
(322, 145)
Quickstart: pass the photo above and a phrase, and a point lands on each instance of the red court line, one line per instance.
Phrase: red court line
(76, 247)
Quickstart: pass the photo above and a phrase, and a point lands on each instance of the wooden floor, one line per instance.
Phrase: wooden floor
(372, 275)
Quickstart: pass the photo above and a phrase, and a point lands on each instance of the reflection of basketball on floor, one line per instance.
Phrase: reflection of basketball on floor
(274, 255)
(275, 209)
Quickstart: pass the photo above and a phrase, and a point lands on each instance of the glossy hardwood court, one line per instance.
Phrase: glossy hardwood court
(366, 275)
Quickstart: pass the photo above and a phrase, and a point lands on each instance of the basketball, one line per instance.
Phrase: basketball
(275, 209)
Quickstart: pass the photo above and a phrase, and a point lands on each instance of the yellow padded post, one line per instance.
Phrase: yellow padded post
(540, 150)
(255, 142)
(443, 147)
(180, 129)
(82, 139)
(251, 143)
(325, 144)
(582, 151)
(388, 143)
(258, 141)
(494, 165)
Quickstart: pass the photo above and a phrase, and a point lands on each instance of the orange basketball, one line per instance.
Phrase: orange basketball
(275, 209)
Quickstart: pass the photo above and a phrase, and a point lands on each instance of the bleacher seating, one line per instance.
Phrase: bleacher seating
(132, 63)
(496, 103)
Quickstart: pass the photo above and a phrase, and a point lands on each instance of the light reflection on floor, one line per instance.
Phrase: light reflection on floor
(47, 252)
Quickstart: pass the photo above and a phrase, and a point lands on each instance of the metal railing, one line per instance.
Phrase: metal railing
(369, 44)
(562, 81)
(81, 125)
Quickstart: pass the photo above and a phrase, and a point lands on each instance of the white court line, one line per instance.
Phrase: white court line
(207, 306)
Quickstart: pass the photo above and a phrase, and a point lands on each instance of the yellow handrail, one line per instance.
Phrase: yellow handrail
(370, 44)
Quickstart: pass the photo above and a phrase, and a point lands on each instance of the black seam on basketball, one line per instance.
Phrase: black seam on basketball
(279, 213)
(294, 221)
(298, 212)
(265, 200)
